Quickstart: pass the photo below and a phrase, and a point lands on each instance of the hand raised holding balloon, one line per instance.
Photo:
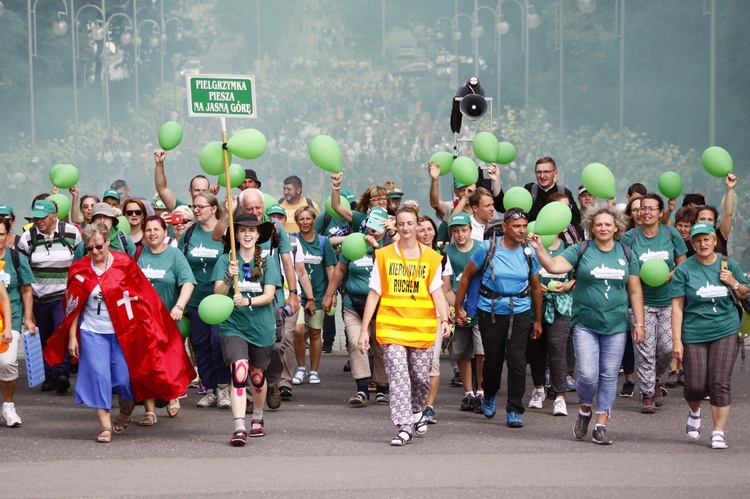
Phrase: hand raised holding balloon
(534, 240)
(336, 180)
(493, 173)
(470, 190)
(671, 204)
(159, 156)
(73, 191)
(214, 189)
(117, 211)
(731, 180)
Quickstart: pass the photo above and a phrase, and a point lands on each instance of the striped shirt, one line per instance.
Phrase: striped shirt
(50, 260)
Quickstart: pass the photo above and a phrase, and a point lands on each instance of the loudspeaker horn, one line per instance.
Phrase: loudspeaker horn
(473, 106)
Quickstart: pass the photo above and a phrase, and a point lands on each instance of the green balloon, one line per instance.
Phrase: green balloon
(518, 197)
(486, 147)
(170, 135)
(670, 185)
(354, 246)
(236, 176)
(654, 272)
(65, 176)
(212, 158)
(325, 153)
(599, 181)
(553, 218)
(506, 153)
(215, 309)
(329, 208)
(52, 172)
(444, 160)
(63, 204)
(268, 200)
(332, 311)
(547, 239)
(185, 328)
(123, 225)
(465, 170)
(717, 162)
(247, 144)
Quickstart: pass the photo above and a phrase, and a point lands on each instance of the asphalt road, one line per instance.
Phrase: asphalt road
(318, 446)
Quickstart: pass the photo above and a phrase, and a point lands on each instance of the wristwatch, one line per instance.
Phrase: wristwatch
(293, 291)
(736, 286)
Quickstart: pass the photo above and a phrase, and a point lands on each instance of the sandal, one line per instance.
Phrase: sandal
(403, 438)
(149, 419)
(691, 428)
(105, 435)
(239, 438)
(173, 409)
(121, 423)
(718, 441)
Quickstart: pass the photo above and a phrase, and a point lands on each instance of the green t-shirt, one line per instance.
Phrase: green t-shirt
(167, 271)
(285, 246)
(201, 254)
(358, 276)
(13, 280)
(316, 262)
(666, 245)
(709, 312)
(459, 260)
(114, 243)
(256, 326)
(336, 226)
(600, 298)
(358, 221)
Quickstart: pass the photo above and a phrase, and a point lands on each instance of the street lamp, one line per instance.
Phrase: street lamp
(711, 71)
(59, 28)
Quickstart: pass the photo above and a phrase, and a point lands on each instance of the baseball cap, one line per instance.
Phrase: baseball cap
(702, 228)
(349, 195)
(111, 193)
(249, 173)
(459, 219)
(275, 210)
(457, 184)
(396, 193)
(157, 203)
(581, 190)
(6, 209)
(43, 208)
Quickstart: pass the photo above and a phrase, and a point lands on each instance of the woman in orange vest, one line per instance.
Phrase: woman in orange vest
(406, 282)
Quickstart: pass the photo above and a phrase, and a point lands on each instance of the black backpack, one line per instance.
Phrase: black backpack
(36, 239)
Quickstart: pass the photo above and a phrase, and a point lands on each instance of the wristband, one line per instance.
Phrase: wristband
(293, 292)
(336, 188)
(249, 302)
(446, 320)
(638, 325)
(179, 307)
(736, 286)
(392, 234)
(311, 299)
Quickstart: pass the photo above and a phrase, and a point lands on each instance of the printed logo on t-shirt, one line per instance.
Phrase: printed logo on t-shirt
(313, 259)
(661, 255)
(249, 287)
(152, 273)
(603, 272)
(711, 291)
(365, 261)
(203, 252)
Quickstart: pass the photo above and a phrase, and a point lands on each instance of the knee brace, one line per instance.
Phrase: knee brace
(258, 378)
(240, 371)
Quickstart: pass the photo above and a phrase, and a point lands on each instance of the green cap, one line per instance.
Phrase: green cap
(702, 228)
(459, 219)
(157, 203)
(275, 209)
(349, 195)
(6, 209)
(111, 193)
(43, 208)
(395, 193)
(457, 184)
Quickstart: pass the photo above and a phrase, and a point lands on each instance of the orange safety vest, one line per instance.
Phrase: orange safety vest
(406, 315)
(2, 322)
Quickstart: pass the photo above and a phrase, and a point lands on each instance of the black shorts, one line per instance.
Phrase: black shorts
(235, 348)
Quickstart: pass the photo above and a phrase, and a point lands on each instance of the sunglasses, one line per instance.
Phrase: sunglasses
(515, 216)
(246, 270)
(136, 213)
(97, 247)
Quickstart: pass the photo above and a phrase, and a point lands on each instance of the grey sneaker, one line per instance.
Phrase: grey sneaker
(582, 426)
(222, 395)
(672, 379)
(209, 400)
(599, 435)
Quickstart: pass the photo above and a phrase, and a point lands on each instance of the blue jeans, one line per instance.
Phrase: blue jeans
(598, 357)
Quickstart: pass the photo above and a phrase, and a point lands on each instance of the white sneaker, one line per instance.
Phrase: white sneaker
(222, 397)
(560, 409)
(299, 376)
(10, 416)
(209, 400)
(537, 398)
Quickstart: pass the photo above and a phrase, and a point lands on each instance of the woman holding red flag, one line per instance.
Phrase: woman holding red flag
(108, 305)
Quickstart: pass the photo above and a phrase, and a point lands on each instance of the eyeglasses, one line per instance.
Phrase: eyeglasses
(199, 207)
(544, 172)
(648, 208)
(97, 247)
(136, 213)
(515, 216)
(379, 199)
